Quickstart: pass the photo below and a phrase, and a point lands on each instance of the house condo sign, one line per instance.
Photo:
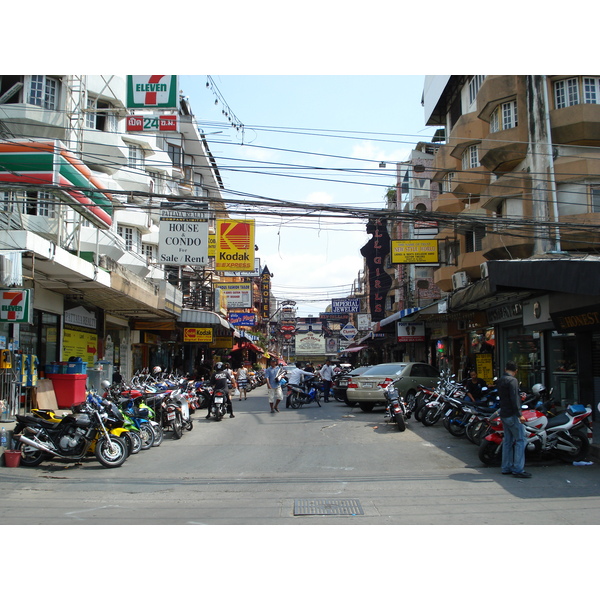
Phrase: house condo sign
(183, 234)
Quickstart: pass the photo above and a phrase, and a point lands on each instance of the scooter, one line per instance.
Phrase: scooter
(218, 407)
(299, 395)
(566, 435)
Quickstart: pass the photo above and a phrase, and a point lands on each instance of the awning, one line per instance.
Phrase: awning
(204, 317)
(246, 345)
(355, 349)
(395, 317)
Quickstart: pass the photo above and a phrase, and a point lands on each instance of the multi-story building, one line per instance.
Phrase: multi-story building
(81, 187)
(518, 217)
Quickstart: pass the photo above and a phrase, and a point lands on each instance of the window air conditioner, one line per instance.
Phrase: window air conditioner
(484, 270)
(459, 280)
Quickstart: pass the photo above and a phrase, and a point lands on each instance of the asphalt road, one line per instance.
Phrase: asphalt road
(328, 465)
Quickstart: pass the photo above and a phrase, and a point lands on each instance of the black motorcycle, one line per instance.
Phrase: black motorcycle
(69, 439)
(310, 391)
(218, 407)
(396, 410)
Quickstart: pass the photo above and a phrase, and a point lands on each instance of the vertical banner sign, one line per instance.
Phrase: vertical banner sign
(15, 306)
(183, 234)
(375, 251)
(152, 91)
(265, 292)
(235, 245)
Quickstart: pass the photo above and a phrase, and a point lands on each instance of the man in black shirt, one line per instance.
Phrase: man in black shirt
(220, 381)
(474, 386)
(513, 444)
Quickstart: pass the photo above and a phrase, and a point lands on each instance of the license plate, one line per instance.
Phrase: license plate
(170, 416)
(367, 384)
(343, 384)
(218, 400)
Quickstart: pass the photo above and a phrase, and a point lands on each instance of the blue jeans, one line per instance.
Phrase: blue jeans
(513, 445)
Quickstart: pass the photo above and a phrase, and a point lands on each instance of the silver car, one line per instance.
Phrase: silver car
(367, 389)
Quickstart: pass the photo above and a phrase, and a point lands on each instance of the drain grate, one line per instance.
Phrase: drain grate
(327, 507)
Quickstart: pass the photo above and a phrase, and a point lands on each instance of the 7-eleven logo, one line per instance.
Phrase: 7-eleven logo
(158, 91)
(13, 305)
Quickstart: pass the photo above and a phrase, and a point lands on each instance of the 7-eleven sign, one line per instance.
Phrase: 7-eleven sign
(15, 306)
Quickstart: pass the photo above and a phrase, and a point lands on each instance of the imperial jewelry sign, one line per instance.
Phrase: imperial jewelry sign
(183, 234)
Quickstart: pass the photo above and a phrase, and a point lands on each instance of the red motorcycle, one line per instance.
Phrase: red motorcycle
(566, 435)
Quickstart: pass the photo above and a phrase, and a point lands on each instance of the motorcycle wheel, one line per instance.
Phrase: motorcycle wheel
(410, 400)
(111, 454)
(582, 444)
(476, 432)
(456, 427)
(147, 435)
(430, 417)
(137, 442)
(189, 425)
(419, 408)
(177, 426)
(399, 418)
(490, 453)
(294, 400)
(158, 434)
(30, 456)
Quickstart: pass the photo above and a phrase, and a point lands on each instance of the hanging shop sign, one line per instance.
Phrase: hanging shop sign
(415, 251)
(235, 245)
(197, 334)
(349, 331)
(345, 305)
(153, 122)
(183, 234)
(375, 252)
(239, 295)
(310, 343)
(152, 91)
(410, 332)
(242, 319)
(16, 306)
(265, 293)
(222, 342)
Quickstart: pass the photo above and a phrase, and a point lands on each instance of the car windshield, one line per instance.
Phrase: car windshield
(386, 369)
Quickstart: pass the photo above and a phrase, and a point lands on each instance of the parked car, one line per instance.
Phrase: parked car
(340, 384)
(367, 388)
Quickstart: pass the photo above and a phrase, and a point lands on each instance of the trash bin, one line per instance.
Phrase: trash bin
(12, 458)
(69, 389)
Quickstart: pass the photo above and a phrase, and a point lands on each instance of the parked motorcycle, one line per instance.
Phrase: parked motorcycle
(565, 435)
(218, 407)
(396, 410)
(69, 439)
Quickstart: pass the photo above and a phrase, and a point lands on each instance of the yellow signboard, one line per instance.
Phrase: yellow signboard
(485, 367)
(415, 251)
(81, 344)
(197, 334)
(212, 244)
(235, 245)
(223, 342)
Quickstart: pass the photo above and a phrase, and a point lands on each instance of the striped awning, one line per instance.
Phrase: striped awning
(204, 317)
(395, 317)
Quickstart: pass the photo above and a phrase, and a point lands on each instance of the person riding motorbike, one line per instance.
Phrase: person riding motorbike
(220, 382)
(297, 377)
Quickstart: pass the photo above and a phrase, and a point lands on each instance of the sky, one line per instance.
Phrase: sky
(327, 123)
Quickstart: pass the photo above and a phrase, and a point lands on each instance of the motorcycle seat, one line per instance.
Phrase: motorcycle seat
(31, 420)
(558, 420)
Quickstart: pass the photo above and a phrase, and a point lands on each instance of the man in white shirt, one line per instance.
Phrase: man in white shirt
(297, 376)
(326, 374)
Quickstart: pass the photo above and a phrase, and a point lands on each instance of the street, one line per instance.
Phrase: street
(328, 465)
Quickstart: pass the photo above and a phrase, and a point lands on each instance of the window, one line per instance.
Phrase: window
(470, 158)
(595, 199)
(175, 155)
(566, 92)
(148, 252)
(136, 157)
(591, 90)
(504, 117)
(132, 237)
(43, 91)
(447, 183)
(473, 239)
(100, 115)
(36, 205)
(474, 86)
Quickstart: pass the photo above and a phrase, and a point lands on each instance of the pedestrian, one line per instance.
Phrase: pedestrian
(326, 374)
(297, 377)
(241, 377)
(474, 386)
(274, 391)
(308, 367)
(513, 443)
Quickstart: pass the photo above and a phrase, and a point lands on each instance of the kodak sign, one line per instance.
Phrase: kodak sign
(235, 245)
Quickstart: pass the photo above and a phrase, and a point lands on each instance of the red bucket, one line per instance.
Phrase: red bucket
(12, 458)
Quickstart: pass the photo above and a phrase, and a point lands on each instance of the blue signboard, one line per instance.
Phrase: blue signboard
(345, 305)
(242, 319)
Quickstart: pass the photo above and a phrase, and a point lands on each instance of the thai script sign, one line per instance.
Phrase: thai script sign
(152, 123)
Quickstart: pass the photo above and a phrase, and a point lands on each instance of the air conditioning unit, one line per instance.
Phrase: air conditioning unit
(484, 270)
(459, 280)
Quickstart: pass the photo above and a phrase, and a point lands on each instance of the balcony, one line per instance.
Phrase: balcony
(470, 183)
(444, 162)
(580, 239)
(579, 124)
(515, 184)
(442, 277)
(496, 89)
(469, 262)
(505, 149)
(468, 130)
(447, 203)
(504, 246)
